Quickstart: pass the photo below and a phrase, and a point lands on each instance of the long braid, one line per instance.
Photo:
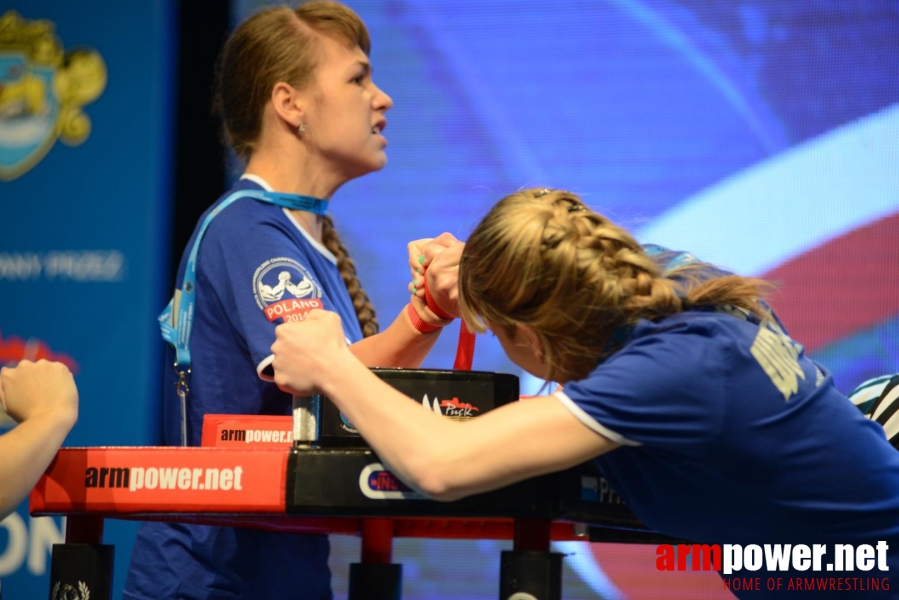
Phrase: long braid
(365, 312)
(541, 258)
(611, 283)
(613, 265)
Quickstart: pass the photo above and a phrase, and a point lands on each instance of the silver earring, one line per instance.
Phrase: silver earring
(301, 129)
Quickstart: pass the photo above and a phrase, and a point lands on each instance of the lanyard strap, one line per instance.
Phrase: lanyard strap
(176, 321)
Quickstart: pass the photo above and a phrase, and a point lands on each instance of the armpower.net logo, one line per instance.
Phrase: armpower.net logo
(848, 567)
(165, 478)
(157, 479)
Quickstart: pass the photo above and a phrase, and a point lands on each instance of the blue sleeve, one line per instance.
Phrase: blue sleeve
(258, 272)
(665, 390)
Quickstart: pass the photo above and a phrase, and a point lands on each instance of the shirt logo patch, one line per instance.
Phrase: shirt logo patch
(285, 289)
(778, 355)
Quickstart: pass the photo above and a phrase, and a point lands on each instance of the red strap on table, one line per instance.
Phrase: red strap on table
(465, 347)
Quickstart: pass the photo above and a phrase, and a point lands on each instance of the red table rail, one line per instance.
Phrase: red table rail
(274, 486)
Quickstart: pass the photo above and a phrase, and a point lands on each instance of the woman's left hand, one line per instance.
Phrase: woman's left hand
(306, 351)
(438, 260)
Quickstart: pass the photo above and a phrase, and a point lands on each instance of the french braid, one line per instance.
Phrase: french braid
(542, 258)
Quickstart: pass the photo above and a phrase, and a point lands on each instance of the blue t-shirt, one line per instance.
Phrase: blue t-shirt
(731, 435)
(256, 266)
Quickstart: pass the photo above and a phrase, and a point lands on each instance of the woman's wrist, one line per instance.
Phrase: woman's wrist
(337, 372)
(432, 305)
(423, 318)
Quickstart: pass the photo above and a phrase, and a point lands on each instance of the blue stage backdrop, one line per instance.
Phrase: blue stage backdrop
(85, 126)
(761, 135)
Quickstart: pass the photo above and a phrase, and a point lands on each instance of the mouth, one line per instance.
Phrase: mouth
(378, 127)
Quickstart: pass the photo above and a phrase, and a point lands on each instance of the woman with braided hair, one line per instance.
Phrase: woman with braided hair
(702, 413)
(299, 106)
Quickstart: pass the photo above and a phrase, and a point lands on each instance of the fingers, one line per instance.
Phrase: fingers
(290, 333)
(321, 315)
(422, 251)
(415, 249)
(416, 266)
(38, 387)
(284, 387)
(437, 259)
(436, 246)
(287, 353)
(443, 276)
(448, 257)
(303, 350)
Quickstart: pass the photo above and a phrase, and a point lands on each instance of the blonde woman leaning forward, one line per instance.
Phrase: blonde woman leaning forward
(704, 415)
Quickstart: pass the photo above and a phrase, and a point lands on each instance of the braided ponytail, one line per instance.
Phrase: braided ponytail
(365, 312)
(541, 258)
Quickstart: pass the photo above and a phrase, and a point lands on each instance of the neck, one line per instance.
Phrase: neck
(283, 175)
(293, 175)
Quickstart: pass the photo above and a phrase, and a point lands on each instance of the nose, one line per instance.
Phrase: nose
(380, 100)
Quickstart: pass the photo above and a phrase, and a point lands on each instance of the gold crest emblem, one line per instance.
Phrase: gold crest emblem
(43, 89)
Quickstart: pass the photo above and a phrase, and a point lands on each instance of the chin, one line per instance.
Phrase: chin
(377, 162)
(375, 168)
(361, 170)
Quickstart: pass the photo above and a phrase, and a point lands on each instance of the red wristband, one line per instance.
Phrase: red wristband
(417, 322)
(432, 304)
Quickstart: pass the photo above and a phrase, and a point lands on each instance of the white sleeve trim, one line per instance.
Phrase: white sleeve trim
(262, 366)
(592, 423)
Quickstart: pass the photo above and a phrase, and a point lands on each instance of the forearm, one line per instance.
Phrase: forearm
(400, 345)
(447, 459)
(444, 459)
(27, 450)
(410, 439)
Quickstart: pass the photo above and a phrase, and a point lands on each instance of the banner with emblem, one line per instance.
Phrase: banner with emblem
(85, 128)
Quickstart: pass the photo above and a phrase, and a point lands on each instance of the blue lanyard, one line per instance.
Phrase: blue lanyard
(176, 321)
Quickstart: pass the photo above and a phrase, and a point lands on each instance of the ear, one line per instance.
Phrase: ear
(289, 104)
